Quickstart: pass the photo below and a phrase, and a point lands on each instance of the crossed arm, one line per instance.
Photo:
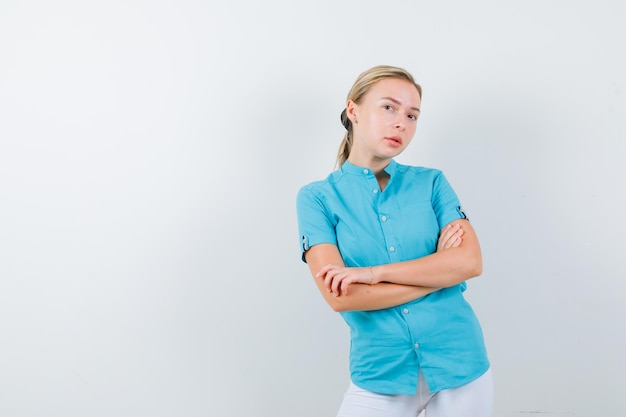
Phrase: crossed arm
(457, 259)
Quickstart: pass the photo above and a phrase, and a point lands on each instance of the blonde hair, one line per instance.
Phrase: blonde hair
(361, 86)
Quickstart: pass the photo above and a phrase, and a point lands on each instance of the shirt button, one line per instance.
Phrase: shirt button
(365, 171)
(392, 249)
(375, 191)
(384, 218)
(405, 311)
(417, 345)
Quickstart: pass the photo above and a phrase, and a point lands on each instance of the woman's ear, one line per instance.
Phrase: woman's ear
(351, 111)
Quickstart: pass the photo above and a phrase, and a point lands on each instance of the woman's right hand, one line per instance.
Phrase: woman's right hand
(450, 236)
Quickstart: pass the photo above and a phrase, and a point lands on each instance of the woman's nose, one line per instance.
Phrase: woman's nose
(399, 123)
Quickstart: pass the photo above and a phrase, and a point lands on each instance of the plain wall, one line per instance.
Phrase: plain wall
(150, 154)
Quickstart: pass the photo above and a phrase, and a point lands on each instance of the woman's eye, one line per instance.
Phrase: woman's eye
(412, 117)
(387, 107)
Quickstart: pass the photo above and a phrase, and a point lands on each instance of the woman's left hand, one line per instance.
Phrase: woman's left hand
(337, 279)
(451, 236)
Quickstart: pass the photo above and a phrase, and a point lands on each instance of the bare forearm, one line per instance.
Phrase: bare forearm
(363, 297)
(441, 269)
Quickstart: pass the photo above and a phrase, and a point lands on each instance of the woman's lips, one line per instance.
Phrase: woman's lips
(394, 140)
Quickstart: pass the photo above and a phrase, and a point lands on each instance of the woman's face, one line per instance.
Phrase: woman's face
(385, 120)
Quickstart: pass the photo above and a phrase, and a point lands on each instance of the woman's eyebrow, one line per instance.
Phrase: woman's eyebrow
(398, 103)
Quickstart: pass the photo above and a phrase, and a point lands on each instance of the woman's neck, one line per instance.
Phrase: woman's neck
(377, 166)
(382, 178)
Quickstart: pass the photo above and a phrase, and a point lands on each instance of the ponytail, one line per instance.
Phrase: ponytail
(346, 143)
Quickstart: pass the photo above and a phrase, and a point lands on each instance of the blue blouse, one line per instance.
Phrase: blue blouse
(438, 333)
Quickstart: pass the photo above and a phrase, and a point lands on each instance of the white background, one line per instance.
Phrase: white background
(150, 154)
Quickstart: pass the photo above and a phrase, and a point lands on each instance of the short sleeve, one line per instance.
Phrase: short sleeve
(445, 202)
(315, 224)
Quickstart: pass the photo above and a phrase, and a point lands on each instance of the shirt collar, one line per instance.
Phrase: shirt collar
(350, 168)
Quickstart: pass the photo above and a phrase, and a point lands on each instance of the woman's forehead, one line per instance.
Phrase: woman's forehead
(396, 89)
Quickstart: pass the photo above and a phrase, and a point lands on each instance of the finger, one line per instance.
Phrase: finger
(444, 233)
(447, 243)
(454, 235)
(328, 280)
(456, 239)
(454, 230)
(445, 236)
(329, 276)
(336, 282)
(344, 286)
(325, 269)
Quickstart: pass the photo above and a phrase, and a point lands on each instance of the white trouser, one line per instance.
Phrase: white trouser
(470, 400)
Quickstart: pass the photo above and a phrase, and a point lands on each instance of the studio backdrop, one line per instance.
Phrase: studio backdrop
(150, 156)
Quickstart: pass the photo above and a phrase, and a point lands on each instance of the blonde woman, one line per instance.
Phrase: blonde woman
(390, 249)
